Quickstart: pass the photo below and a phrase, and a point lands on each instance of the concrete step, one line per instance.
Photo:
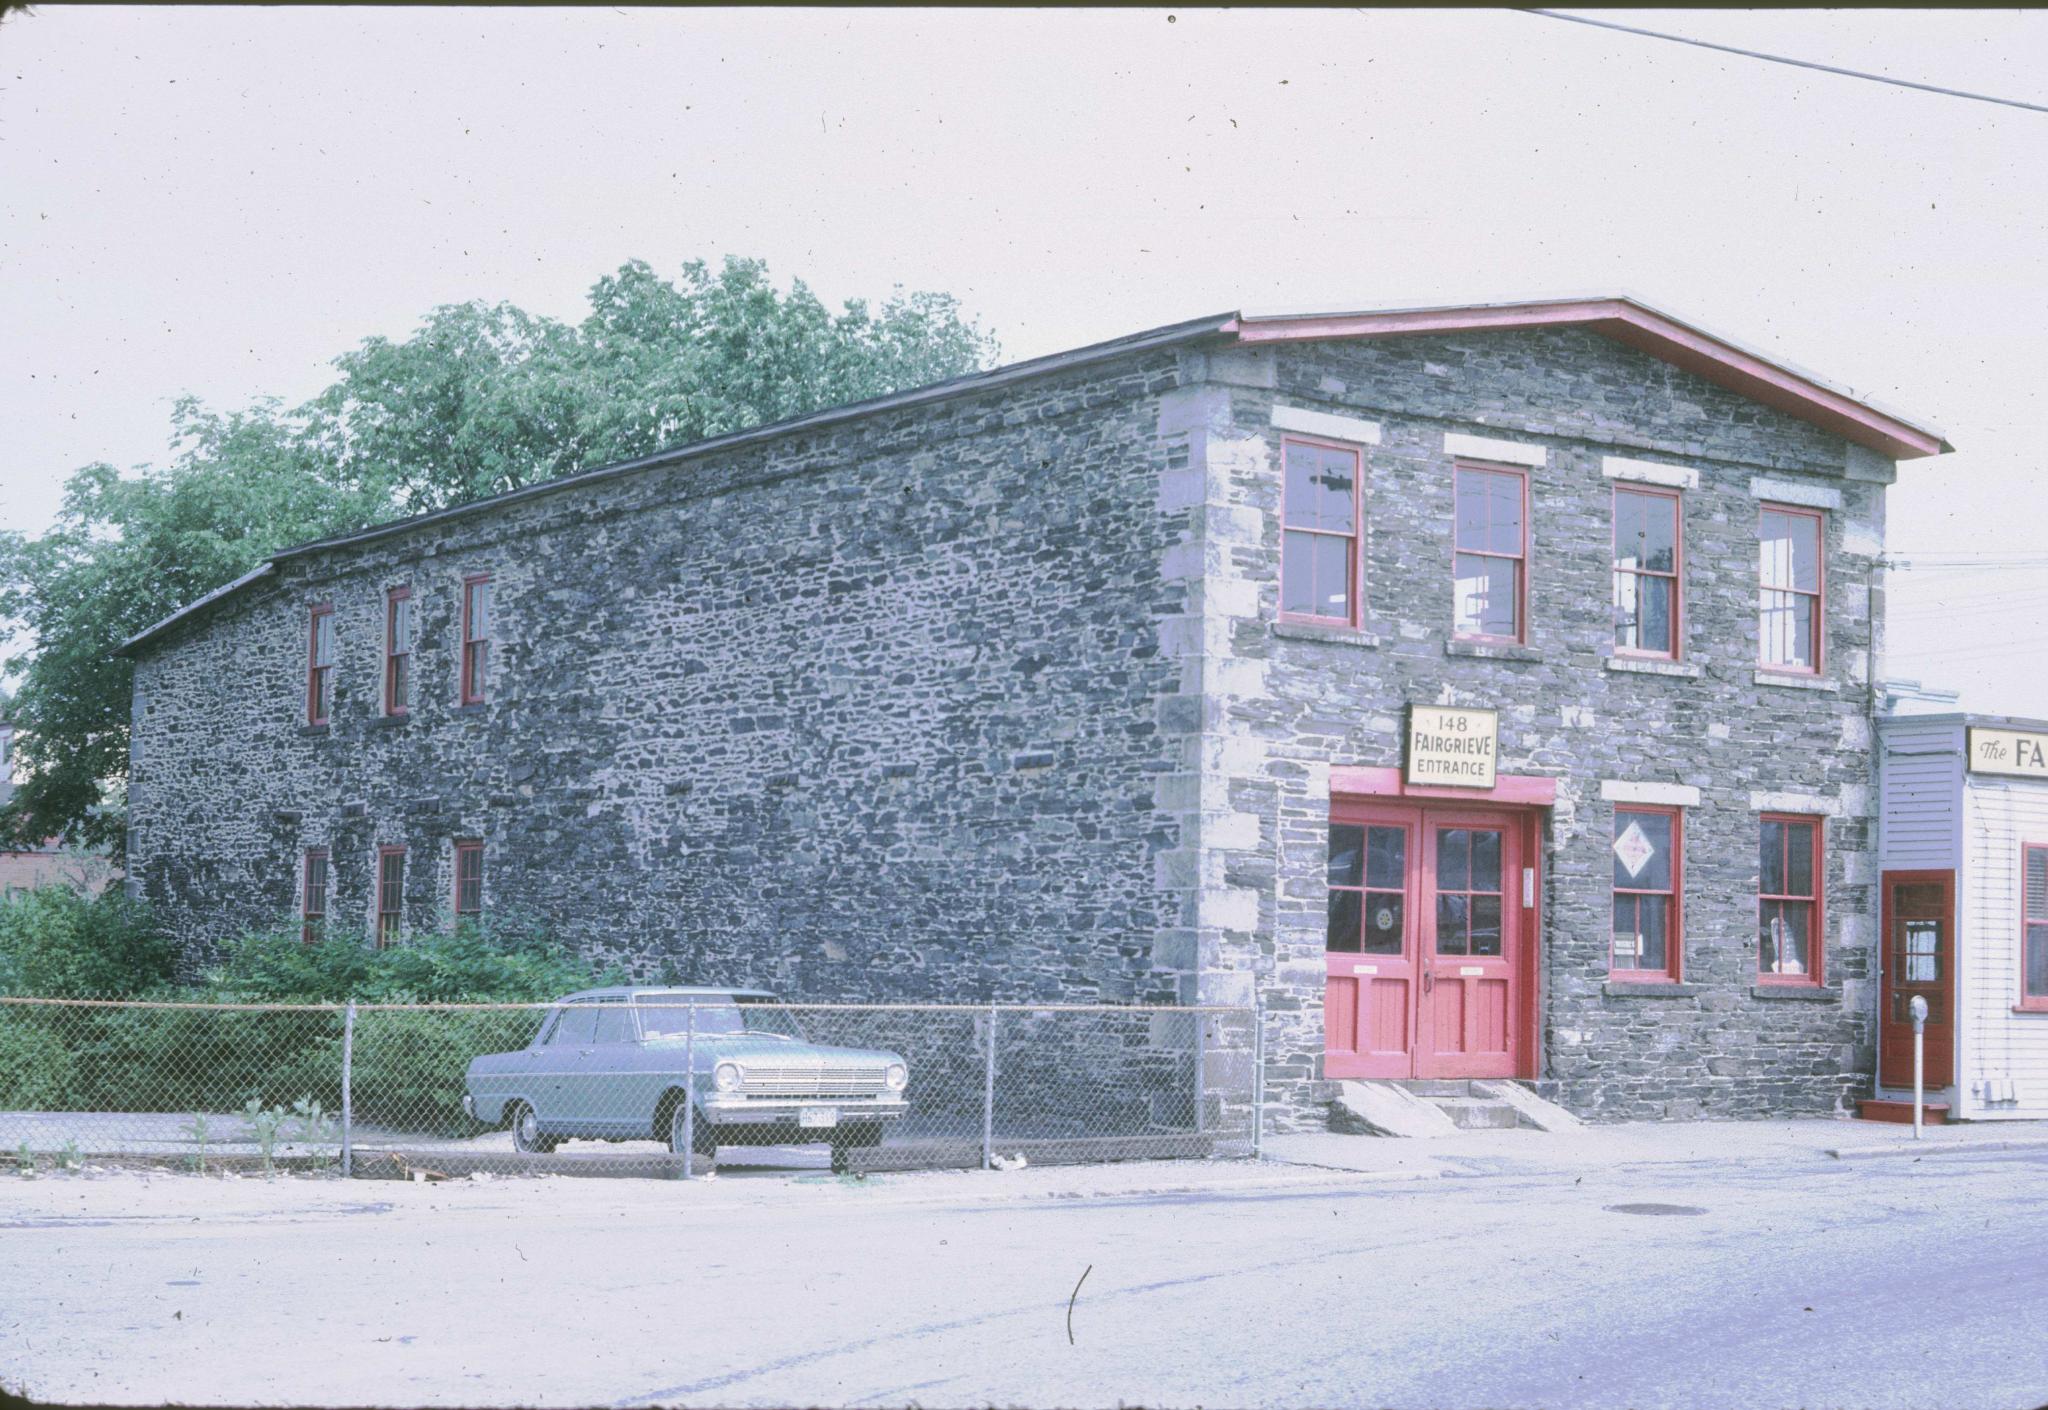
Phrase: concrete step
(1432, 1087)
(1478, 1113)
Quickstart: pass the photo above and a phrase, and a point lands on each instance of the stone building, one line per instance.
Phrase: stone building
(1094, 678)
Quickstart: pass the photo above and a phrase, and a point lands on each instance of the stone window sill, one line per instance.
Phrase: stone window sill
(1331, 636)
(1648, 989)
(1796, 682)
(1796, 993)
(389, 721)
(1643, 666)
(314, 731)
(1491, 650)
(477, 709)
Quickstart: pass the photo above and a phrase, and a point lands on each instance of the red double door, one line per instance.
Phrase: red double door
(1429, 958)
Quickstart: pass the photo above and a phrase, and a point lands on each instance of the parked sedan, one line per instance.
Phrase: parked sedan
(695, 1067)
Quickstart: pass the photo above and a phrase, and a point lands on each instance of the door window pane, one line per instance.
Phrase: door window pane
(1384, 914)
(1453, 859)
(1918, 954)
(1485, 914)
(1453, 922)
(1386, 858)
(1485, 861)
(1347, 867)
(1344, 920)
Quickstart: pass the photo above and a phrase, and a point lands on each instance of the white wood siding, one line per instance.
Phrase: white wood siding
(1920, 782)
(1995, 1044)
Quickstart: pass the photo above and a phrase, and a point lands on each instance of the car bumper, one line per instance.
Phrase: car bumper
(759, 1111)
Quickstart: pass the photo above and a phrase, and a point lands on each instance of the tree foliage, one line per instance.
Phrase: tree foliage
(482, 398)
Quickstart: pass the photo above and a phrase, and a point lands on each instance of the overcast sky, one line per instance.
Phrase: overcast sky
(220, 201)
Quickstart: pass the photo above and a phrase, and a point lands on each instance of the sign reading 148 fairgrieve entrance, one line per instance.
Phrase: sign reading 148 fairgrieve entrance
(1452, 746)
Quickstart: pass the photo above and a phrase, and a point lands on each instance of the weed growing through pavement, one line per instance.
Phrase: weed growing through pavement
(316, 1129)
(24, 1162)
(69, 1158)
(196, 1129)
(267, 1123)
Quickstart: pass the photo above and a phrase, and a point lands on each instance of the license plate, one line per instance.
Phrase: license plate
(813, 1116)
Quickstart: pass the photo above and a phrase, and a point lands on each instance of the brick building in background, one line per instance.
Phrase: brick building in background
(1094, 678)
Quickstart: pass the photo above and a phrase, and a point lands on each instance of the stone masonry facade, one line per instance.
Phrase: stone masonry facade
(986, 699)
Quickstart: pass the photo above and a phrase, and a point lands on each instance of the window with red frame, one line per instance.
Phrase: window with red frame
(1788, 602)
(1646, 892)
(1490, 567)
(469, 879)
(1788, 900)
(313, 896)
(2034, 942)
(320, 666)
(398, 651)
(1646, 586)
(1319, 533)
(476, 637)
(390, 894)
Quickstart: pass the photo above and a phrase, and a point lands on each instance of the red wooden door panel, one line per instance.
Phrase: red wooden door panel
(1469, 950)
(1919, 959)
(1370, 944)
(1423, 942)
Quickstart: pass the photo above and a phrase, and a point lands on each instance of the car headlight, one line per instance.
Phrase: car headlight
(898, 1077)
(726, 1077)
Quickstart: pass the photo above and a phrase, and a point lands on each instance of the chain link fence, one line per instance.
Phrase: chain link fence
(664, 1085)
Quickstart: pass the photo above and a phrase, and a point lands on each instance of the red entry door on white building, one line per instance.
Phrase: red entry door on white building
(1424, 942)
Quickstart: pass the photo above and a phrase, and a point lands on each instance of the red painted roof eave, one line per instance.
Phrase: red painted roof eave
(1647, 331)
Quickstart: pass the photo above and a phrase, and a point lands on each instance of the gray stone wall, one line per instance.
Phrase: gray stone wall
(1283, 704)
(860, 713)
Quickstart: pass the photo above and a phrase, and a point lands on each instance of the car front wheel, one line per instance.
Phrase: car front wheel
(854, 1136)
(700, 1137)
(526, 1136)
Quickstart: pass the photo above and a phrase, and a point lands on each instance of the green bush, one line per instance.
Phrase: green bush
(56, 942)
(504, 963)
(35, 1067)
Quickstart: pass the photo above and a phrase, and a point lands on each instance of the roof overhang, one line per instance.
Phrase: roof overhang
(1686, 346)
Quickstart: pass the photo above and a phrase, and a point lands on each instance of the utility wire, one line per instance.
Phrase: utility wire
(1781, 59)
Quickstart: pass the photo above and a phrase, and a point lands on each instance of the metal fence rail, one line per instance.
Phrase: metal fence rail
(649, 1087)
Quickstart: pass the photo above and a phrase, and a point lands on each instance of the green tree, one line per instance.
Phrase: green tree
(482, 398)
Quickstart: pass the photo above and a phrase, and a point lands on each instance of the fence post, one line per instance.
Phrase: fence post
(988, 1097)
(1201, 1078)
(689, 1091)
(348, 1104)
(1258, 1078)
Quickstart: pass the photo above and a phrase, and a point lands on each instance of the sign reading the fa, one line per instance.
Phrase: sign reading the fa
(2008, 751)
(1452, 746)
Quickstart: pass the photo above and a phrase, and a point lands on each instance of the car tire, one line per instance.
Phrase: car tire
(703, 1136)
(526, 1135)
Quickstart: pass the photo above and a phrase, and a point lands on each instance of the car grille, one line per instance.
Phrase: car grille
(814, 1081)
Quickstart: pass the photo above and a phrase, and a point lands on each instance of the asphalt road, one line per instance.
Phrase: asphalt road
(1795, 1283)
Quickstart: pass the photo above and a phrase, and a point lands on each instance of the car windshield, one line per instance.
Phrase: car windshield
(668, 1016)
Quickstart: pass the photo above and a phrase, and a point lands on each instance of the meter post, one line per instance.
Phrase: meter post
(1918, 1008)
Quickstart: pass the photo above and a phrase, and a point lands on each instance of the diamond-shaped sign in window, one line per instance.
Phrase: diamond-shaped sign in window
(1635, 849)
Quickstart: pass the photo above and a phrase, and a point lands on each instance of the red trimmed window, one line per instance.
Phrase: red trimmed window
(1647, 870)
(390, 894)
(1490, 567)
(2034, 932)
(320, 666)
(469, 879)
(476, 637)
(397, 650)
(1646, 578)
(1368, 876)
(313, 896)
(1788, 601)
(1319, 532)
(1788, 900)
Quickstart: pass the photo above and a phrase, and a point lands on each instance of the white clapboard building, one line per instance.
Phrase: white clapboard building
(1963, 901)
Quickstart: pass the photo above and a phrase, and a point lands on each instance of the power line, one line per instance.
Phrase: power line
(1781, 59)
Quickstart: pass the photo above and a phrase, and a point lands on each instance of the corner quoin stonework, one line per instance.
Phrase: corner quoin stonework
(984, 700)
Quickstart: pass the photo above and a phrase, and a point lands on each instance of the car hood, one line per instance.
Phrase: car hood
(768, 1051)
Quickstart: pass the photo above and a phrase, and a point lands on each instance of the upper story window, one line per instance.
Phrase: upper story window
(1646, 577)
(476, 637)
(1490, 566)
(320, 666)
(397, 651)
(313, 896)
(1788, 602)
(1646, 893)
(2034, 932)
(469, 879)
(1788, 900)
(1320, 531)
(390, 894)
